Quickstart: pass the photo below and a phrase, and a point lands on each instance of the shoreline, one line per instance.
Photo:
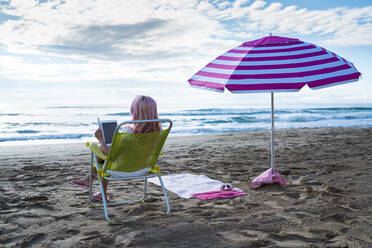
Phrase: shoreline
(328, 200)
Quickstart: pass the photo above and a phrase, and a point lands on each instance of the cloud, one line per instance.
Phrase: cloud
(336, 26)
(108, 42)
(166, 41)
(161, 40)
(104, 30)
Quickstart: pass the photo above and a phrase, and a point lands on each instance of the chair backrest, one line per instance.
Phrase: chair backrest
(131, 152)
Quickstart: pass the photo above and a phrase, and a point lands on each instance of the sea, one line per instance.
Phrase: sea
(70, 124)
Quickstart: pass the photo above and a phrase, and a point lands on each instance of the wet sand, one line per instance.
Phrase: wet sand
(328, 202)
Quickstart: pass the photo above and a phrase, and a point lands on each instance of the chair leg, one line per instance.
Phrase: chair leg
(104, 201)
(90, 179)
(165, 194)
(144, 190)
(103, 195)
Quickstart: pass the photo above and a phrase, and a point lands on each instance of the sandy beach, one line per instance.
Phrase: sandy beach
(328, 202)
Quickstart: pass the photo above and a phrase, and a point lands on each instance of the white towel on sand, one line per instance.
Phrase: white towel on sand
(185, 185)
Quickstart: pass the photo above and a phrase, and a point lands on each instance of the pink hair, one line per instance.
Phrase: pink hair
(144, 108)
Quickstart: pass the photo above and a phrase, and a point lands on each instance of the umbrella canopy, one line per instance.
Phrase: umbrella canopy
(275, 64)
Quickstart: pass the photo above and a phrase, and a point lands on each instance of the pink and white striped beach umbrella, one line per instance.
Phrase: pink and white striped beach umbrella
(274, 64)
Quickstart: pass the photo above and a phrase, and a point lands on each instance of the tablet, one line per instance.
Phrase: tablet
(108, 129)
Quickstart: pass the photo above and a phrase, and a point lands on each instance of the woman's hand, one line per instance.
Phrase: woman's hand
(99, 135)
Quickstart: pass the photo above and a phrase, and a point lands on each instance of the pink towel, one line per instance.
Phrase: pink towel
(218, 194)
(267, 177)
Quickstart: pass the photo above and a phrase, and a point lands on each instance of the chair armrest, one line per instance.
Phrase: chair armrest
(96, 150)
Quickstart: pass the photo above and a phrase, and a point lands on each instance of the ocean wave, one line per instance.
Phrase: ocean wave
(119, 114)
(338, 109)
(300, 118)
(27, 131)
(348, 108)
(10, 114)
(223, 112)
(209, 130)
(245, 119)
(54, 124)
(217, 121)
(221, 120)
(79, 107)
(353, 117)
(46, 137)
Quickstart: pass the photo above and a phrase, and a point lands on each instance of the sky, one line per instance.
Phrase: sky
(100, 52)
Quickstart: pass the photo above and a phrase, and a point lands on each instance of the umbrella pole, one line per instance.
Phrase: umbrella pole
(272, 135)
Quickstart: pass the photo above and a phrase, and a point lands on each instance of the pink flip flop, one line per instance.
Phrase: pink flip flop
(80, 183)
(98, 197)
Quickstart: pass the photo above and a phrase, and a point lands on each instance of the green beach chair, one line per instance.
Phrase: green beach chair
(130, 153)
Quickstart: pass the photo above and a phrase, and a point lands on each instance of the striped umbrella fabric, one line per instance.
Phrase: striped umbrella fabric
(275, 64)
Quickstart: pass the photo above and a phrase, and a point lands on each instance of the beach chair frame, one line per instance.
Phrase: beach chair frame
(94, 162)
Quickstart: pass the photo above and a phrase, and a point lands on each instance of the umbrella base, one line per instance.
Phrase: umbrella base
(267, 177)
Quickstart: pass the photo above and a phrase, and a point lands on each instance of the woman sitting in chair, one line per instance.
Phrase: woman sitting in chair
(142, 108)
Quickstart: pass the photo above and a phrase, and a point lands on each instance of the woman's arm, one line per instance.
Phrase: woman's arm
(105, 149)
